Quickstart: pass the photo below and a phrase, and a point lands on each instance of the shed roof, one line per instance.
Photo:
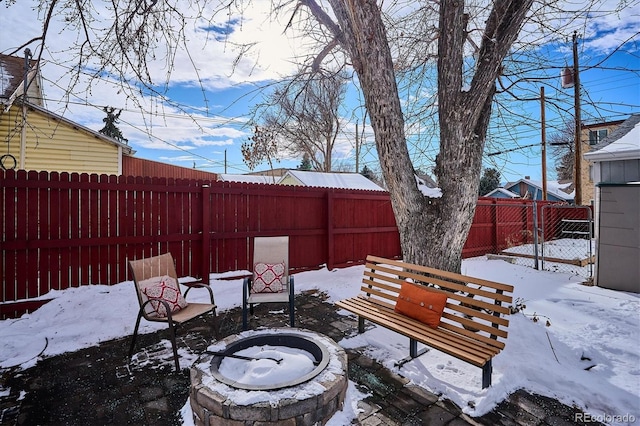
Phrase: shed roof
(226, 177)
(333, 180)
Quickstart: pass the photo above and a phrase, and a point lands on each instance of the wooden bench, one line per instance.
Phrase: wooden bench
(473, 326)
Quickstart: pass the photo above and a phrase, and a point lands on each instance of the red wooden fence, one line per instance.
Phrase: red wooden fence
(63, 230)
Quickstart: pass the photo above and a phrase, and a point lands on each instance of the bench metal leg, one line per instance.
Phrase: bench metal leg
(486, 374)
(413, 353)
(360, 325)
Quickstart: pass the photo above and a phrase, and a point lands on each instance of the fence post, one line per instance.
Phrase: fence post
(496, 233)
(535, 236)
(330, 240)
(206, 230)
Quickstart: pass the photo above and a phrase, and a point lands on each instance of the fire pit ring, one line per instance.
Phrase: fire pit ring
(311, 398)
(290, 340)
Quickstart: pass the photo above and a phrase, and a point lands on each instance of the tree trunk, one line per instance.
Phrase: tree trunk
(433, 231)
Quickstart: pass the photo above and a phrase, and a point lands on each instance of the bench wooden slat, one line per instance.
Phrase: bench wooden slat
(470, 338)
(437, 339)
(378, 280)
(393, 291)
(484, 339)
(445, 274)
(502, 297)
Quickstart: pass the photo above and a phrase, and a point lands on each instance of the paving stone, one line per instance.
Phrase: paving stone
(421, 395)
(435, 416)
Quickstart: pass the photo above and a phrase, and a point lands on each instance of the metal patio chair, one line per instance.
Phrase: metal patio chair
(154, 279)
(271, 282)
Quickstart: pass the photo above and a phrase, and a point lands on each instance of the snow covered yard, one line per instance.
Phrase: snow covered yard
(571, 342)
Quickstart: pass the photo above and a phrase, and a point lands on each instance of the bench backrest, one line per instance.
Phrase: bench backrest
(475, 308)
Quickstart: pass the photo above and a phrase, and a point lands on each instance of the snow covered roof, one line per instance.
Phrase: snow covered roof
(622, 144)
(12, 79)
(330, 180)
(503, 191)
(248, 178)
(554, 188)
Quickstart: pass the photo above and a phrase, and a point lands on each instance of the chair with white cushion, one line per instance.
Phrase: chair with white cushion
(161, 300)
(271, 282)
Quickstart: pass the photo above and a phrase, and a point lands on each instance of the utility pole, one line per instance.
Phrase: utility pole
(357, 150)
(25, 88)
(578, 133)
(544, 145)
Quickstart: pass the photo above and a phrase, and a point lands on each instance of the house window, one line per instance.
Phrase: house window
(596, 136)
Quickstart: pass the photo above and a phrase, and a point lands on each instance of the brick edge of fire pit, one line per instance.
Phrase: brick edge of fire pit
(212, 408)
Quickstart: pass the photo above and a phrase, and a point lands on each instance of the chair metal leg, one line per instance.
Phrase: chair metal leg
(245, 297)
(216, 324)
(487, 369)
(172, 335)
(135, 334)
(291, 303)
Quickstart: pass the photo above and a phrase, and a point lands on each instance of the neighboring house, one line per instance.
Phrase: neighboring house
(278, 172)
(329, 180)
(49, 142)
(592, 135)
(616, 172)
(532, 190)
(37, 139)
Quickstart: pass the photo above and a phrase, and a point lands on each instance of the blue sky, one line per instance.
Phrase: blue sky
(201, 125)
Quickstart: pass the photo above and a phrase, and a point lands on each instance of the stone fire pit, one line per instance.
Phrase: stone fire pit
(293, 376)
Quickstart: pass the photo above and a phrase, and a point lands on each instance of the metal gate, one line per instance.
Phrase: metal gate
(568, 244)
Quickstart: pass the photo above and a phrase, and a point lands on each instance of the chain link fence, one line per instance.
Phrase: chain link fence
(545, 236)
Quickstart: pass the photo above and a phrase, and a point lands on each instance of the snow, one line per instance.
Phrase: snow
(249, 178)
(627, 147)
(330, 180)
(571, 342)
(426, 189)
(5, 80)
(299, 392)
(271, 365)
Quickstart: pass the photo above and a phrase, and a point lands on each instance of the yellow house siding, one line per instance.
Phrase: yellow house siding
(54, 145)
(10, 132)
(290, 180)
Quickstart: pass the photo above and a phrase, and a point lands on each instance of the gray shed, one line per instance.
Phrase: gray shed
(616, 172)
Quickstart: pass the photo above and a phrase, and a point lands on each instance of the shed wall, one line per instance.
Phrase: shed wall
(619, 238)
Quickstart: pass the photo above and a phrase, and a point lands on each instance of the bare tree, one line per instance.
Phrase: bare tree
(399, 56)
(304, 114)
(562, 151)
(432, 230)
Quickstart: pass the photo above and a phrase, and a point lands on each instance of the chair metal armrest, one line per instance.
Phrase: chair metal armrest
(167, 309)
(198, 284)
